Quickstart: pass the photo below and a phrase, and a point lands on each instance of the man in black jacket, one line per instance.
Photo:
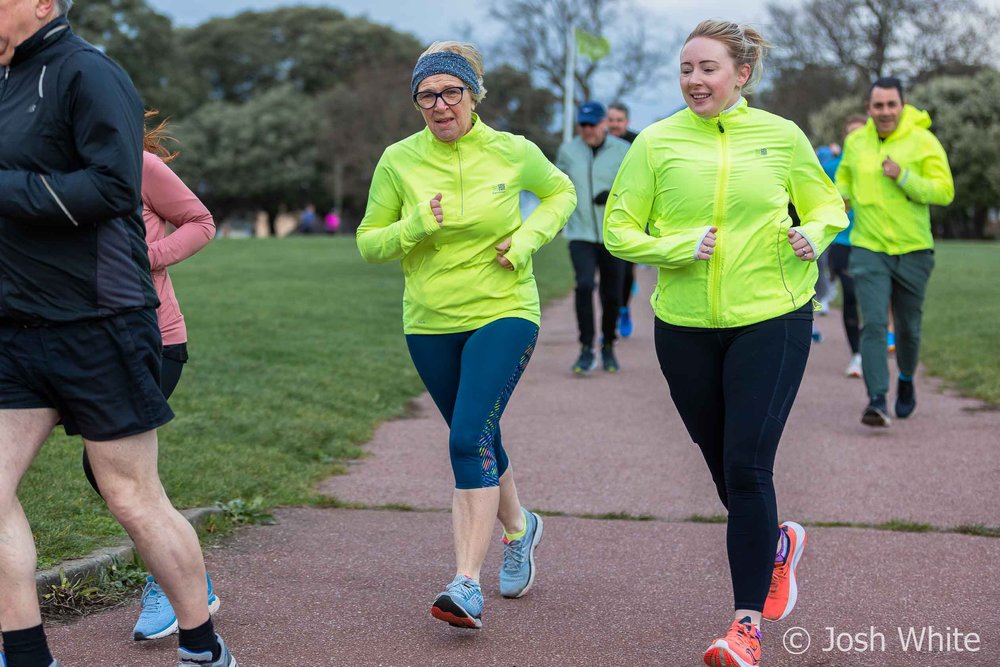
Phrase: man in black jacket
(79, 342)
(618, 119)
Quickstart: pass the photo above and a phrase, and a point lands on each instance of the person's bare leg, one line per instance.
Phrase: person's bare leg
(127, 474)
(22, 433)
(474, 514)
(509, 511)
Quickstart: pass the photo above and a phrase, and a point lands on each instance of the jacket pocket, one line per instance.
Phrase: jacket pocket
(782, 250)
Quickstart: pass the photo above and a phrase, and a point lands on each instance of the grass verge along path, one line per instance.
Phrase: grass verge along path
(297, 352)
(961, 334)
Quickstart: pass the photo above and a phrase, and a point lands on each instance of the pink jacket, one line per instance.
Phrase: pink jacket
(165, 199)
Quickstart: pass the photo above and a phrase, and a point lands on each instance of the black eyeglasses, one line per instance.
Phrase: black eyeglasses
(451, 97)
(588, 124)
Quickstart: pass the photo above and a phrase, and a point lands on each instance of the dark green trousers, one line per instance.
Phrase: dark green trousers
(881, 280)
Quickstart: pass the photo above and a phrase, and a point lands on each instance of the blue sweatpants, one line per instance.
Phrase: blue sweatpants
(471, 376)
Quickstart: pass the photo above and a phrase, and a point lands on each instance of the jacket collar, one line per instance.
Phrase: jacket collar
(733, 114)
(50, 33)
(909, 119)
(473, 136)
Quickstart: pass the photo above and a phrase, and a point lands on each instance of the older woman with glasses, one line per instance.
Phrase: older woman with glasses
(445, 202)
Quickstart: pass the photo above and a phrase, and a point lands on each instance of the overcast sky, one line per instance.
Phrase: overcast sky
(430, 20)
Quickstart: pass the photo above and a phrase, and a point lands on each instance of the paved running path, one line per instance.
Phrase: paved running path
(353, 587)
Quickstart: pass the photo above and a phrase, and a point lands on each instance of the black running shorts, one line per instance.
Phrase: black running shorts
(101, 376)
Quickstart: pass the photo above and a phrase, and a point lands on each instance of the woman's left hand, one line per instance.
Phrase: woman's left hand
(803, 250)
(501, 251)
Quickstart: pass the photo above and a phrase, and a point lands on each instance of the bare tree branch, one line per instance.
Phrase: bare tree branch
(536, 42)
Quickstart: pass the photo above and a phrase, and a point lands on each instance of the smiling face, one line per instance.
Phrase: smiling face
(885, 105)
(447, 123)
(617, 122)
(710, 78)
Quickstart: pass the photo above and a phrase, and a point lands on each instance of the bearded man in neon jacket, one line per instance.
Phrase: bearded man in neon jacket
(892, 171)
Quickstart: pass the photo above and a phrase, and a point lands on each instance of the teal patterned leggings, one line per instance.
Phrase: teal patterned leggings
(471, 376)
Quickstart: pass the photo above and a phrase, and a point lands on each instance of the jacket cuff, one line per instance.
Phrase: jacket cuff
(701, 239)
(420, 225)
(810, 242)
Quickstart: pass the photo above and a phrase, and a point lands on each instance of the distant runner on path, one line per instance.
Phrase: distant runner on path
(892, 170)
(445, 202)
(734, 297)
(839, 253)
(591, 160)
(618, 120)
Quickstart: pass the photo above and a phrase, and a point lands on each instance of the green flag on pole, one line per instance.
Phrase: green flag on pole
(591, 46)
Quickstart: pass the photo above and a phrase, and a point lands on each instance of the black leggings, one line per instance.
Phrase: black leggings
(837, 258)
(589, 258)
(734, 389)
(627, 283)
(171, 365)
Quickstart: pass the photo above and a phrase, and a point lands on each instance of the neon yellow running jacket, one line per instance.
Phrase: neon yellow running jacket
(735, 172)
(453, 281)
(893, 216)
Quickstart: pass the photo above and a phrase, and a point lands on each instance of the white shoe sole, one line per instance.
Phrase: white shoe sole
(213, 607)
(531, 556)
(793, 589)
(715, 660)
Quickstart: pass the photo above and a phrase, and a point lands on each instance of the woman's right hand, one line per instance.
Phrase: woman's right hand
(707, 246)
(436, 209)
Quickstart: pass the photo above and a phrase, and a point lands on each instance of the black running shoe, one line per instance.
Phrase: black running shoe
(906, 399)
(586, 363)
(608, 359)
(876, 414)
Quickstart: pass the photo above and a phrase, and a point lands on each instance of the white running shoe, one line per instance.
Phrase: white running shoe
(854, 368)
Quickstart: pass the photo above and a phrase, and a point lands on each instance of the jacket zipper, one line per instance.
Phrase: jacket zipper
(3, 82)
(883, 153)
(461, 180)
(715, 264)
(590, 179)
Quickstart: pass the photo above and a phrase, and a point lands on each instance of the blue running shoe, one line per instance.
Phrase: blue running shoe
(157, 619)
(518, 571)
(461, 604)
(189, 659)
(625, 322)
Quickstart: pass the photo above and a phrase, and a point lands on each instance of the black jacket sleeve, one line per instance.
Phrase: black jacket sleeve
(105, 115)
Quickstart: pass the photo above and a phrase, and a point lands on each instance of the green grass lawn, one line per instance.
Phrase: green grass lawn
(961, 340)
(297, 352)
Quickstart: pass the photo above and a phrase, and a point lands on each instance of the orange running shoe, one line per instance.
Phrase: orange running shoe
(783, 593)
(739, 648)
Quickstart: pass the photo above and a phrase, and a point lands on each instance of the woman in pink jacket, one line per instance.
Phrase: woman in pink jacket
(166, 201)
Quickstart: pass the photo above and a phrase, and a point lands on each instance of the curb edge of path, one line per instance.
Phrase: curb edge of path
(101, 560)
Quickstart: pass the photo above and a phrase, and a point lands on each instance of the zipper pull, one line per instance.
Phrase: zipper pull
(722, 130)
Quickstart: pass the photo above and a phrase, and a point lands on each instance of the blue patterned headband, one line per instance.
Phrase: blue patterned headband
(444, 62)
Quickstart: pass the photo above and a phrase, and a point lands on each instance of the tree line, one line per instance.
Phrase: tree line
(277, 108)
